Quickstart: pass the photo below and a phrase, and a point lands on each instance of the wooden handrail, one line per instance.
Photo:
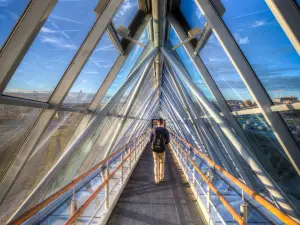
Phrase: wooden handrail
(26, 215)
(256, 196)
(232, 211)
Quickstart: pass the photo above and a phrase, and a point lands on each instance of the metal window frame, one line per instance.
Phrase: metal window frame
(240, 147)
(189, 103)
(200, 66)
(288, 16)
(22, 37)
(251, 81)
(57, 97)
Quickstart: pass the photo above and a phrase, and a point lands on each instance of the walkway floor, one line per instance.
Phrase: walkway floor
(168, 203)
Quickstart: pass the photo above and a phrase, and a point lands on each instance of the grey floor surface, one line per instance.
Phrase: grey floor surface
(144, 202)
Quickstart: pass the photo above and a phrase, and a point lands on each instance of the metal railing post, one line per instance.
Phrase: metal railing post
(208, 198)
(107, 188)
(130, 149)
(122, 168)
(194, 171)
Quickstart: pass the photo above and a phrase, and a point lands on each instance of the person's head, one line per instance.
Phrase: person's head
(160, 122)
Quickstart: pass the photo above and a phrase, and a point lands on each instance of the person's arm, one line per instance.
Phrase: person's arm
(151, 136)
(168, 139)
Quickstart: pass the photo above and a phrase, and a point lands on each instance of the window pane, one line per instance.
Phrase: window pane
(126, 13)
(10, 13)
(292, 120)
(92, 75)
(43, 157)
(15, 124)
(265, 45)
(192, 14)
(298, 2)
(126, 68)
(227, 79)
(52, 51)
(261, 135)
(190, 67)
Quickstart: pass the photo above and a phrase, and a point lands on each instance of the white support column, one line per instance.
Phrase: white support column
(270, 185)
(288, 16)
(22, 37)
(248, 76)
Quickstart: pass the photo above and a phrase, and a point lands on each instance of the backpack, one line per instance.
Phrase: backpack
(159, 140)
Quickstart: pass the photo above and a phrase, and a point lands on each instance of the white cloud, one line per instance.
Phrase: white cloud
(65, 19)
(241, 40)
(47, 30)
(258, 23)
(57, 42)
(244, 40)
(5, 3)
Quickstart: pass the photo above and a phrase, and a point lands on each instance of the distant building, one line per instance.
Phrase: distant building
(285, 100)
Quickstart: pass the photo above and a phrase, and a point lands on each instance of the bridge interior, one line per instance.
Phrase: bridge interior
(82, 80)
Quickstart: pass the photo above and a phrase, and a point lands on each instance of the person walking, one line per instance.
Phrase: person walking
(159, 139)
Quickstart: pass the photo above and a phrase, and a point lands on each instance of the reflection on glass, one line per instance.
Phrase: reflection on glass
(10, 13)
(15, 124)
(190, 67)
(92, 75)
(125, 13)
(292, 120)
(261, 135)
(192, 14)
(265, 46)
(126, 68)
(225, 76)
(45, 154)
(298, 2)
(52, 51)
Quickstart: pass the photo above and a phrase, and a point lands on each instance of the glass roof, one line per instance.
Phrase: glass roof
(39, 131)
(10, 12)
(52, 51)
(93, 74)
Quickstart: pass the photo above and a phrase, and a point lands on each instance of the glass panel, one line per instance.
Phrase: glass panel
(292, 120)
(10, 13)
(93, 74)
(192, 14)
(15, 124)
(225, 76)
(53, 49)
(48, 150)
(298, 2)
(265, 45)
(190, 67)
(126, 68)
(261, 135)
(125, 13)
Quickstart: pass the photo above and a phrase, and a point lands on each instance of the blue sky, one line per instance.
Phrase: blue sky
(263, 42)
(57, 43)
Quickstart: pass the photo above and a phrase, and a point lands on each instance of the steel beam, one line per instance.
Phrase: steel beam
(189, 107)
(22, 37)
(118, 65)
(115, 39)
(130, 103)
(270, 185)
(57, 97)
(253, 85)
(288, 16)
(209, 81)
(90, 128)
